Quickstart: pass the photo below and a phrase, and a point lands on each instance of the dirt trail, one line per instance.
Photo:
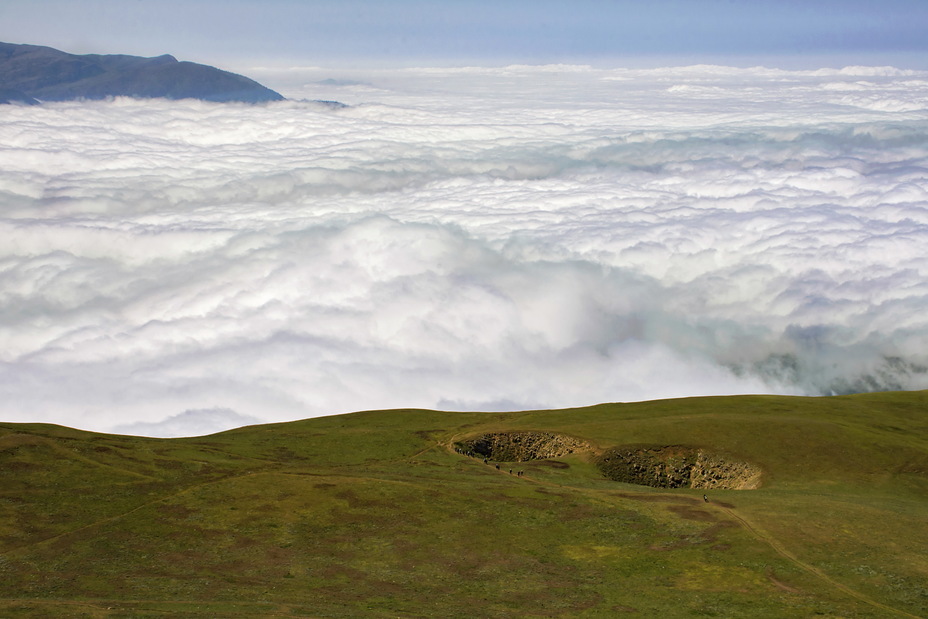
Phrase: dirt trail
(781, 550)
(71, 454)
(115, 517)
(754, 530)
(101, 608)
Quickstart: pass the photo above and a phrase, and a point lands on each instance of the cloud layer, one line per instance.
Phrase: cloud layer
(463, 239)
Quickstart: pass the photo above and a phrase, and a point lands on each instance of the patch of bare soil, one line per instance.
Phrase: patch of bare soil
(779, 584)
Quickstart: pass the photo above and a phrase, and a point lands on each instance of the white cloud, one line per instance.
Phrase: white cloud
(480, 238)
(189, 423)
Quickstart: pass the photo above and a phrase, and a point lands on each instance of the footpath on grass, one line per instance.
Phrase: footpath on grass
(757, 532)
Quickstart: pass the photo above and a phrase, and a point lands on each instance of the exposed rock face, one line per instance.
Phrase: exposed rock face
(524, 446)
(677, 467)
(645, 465)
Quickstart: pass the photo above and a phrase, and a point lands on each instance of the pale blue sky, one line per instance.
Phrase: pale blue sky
(788, 33)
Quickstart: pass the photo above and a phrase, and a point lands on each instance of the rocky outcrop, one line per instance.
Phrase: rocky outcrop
(677, 467)
(523, 446)
(657, 466)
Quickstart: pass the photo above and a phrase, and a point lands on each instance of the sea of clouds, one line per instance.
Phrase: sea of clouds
(462, 239)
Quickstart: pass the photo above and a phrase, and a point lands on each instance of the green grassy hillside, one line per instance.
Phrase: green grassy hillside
(376, 514)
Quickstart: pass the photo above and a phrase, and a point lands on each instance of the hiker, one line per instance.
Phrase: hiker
(705, 498)
(497, 467)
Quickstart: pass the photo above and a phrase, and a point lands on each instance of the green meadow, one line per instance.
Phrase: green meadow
(375, 514)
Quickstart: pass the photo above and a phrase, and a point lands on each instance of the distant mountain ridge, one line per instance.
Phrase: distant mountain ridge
(33, 73)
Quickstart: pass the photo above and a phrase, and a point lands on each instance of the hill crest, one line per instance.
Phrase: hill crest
(417, 513)
(33, 73)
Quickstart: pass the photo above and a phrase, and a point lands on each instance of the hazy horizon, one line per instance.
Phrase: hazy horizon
(549, 229)
(401, 33)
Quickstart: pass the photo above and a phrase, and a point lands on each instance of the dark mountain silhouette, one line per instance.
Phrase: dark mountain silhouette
(32, 73)
(11, 95)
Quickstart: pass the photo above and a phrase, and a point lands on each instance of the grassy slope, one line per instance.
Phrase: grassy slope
(372, 514)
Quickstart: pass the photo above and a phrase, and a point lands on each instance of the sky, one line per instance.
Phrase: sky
(789, 33)
(466, 233)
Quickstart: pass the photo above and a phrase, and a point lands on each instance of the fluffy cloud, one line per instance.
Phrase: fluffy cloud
(469, 239)
(188, 423)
